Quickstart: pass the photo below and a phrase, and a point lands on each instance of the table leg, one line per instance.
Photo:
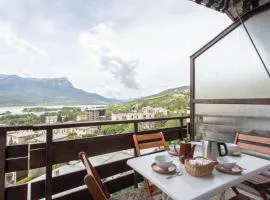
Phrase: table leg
(165, 196)
(222, 195)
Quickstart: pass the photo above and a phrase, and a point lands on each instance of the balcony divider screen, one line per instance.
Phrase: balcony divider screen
(230, 90)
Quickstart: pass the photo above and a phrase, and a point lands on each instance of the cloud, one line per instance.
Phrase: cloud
(19, 44)
(26, 72)
(136, 47)
(121, 69)
(100, 48)
(107, 90)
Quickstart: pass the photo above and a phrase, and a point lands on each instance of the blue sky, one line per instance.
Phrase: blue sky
(117, 48)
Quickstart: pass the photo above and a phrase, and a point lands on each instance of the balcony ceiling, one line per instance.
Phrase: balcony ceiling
(230, 6)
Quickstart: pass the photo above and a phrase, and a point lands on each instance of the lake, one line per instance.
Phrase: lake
(18, 110)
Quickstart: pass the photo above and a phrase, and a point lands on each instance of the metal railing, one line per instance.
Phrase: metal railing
(31, 156)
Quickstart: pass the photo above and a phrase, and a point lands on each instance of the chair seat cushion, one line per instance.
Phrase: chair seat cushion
(135, 194)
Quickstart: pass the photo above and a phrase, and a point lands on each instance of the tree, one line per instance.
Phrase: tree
(42, 119)
(72, 136)
(116, 128)
(172, 123)
(8, 113)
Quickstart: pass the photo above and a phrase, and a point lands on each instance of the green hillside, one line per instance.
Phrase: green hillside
(176, 103)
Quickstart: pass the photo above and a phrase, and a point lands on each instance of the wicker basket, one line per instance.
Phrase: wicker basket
(199, 170)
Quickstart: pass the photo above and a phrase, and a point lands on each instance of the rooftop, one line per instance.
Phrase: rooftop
(233, 8)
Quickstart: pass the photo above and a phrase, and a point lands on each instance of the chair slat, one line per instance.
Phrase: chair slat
(259, 179)
(251, 138)
(152, 136)
(256, 148)
(151, 145)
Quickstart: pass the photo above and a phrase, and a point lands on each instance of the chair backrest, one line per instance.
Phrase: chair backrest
(257, 144)
(92, 180)
(148, 141)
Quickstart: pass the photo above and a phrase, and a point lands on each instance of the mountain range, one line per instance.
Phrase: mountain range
(19, 91)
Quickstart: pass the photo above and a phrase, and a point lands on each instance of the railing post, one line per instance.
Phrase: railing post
(135, 153)
(181, 129)
(192, 136)
(48, 185)
(3, 143)
(135, 128)
(192, 97)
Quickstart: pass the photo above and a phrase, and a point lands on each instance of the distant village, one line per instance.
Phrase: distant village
(90, 114)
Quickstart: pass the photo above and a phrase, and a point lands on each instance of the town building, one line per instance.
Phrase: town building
(147, 112)
(10, 178)
(134, 116)
(155, 111)
(81, 131)
(95, 114)
(51, 119)
(56, 137)
(23, 137)
(81, 118)
(126, 116)
(92, 114)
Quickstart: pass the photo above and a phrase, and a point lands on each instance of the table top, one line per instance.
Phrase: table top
(187, 187)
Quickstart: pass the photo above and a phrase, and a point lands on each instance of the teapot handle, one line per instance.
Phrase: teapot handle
(219, 149)
(192, 150)
(174, 146)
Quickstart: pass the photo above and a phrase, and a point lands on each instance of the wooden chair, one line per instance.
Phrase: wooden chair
(98, 190)
(147, 141)
(257, 144)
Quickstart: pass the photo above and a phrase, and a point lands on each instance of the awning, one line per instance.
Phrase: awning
(232, 7)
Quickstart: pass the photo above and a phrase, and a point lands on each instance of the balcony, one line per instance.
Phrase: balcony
(117, 174)
(226, 97)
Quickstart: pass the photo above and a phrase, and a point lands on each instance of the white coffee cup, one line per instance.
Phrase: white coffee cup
(163, 161)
